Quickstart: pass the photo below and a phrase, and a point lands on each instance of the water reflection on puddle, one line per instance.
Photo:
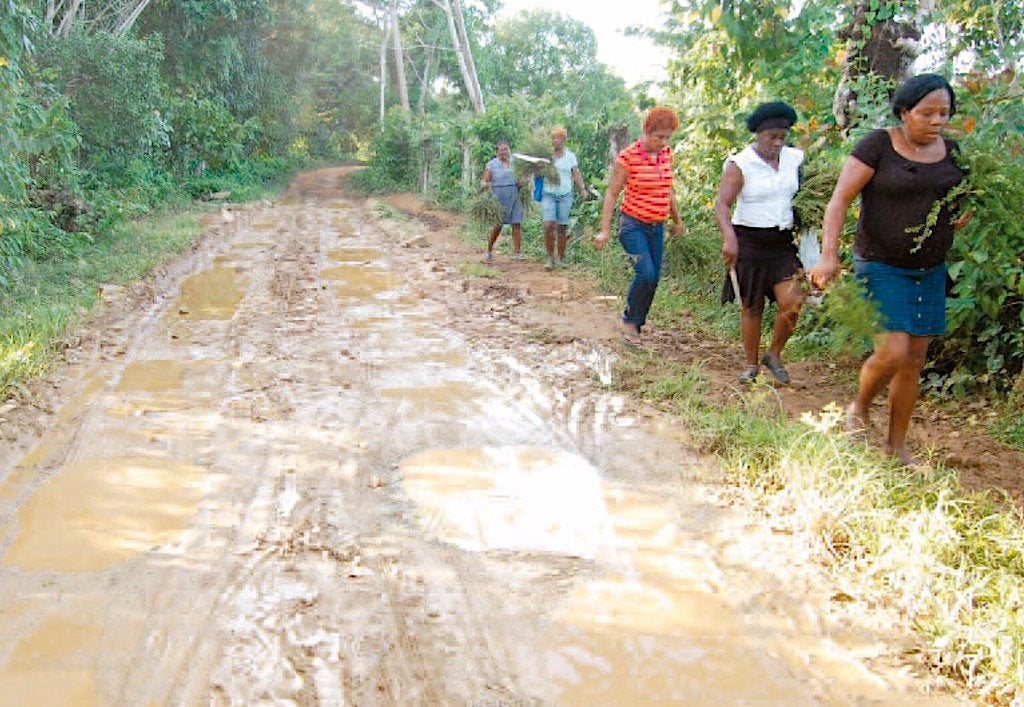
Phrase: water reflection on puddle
(94, 514)
(211, 294)
(643, 631)
(442, 398)
(53, 665)
(511, 498)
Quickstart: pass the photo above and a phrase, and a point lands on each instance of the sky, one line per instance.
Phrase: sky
(633, 58)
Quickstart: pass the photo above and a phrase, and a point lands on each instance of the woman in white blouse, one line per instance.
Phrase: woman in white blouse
(757, 235)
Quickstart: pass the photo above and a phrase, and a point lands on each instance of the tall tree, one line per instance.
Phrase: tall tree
(114, 16)
(464, 54)
(396, 37)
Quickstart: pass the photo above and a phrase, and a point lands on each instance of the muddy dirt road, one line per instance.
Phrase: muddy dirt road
(307, 465)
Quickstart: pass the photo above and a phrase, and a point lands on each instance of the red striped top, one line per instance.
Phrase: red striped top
(648, 184)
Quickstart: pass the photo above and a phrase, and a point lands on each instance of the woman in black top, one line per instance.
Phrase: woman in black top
(900, 173)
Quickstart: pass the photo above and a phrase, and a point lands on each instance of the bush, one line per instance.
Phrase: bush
(985, 341)
(115, 93)
(204, 135)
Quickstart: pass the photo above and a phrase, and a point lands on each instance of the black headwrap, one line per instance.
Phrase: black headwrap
(771, 115)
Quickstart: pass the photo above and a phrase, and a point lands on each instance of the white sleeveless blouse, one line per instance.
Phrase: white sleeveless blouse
(766, 199)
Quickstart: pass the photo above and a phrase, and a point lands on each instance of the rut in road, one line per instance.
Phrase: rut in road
(313, 474)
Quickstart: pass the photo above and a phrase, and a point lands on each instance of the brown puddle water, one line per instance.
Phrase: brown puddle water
(358, 281)
(211, 294)
(355, 255)
(152, 376)
(53, 665)
(26, 469)
(645, 629)
(97, 513)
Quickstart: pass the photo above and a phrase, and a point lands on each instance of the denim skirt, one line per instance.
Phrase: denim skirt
(909, 299)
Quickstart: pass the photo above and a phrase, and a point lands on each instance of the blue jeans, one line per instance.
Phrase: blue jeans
(645, 244)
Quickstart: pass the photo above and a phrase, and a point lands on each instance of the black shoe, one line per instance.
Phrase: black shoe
(776, 369)
(749, 376)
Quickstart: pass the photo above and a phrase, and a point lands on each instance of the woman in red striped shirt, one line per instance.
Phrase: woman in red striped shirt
(644, 170)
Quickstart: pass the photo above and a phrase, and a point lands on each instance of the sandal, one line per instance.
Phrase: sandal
(750, 375)
(776, 368)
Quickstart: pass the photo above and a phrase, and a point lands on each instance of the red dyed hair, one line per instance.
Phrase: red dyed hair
(661, 118)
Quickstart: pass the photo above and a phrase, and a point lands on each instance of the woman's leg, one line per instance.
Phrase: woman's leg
(902, 396)
(750, 330)
(789, 298)
(891, 350)
(644, 244)
(563, 236)
(517, 238)
(495, 232)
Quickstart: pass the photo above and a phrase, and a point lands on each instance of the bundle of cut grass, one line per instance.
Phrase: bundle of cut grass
(533, 157)
(485, 208)
(818, 178)
(526, 167)
(526, 199)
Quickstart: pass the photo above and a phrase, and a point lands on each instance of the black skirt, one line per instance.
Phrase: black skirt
(767, 257)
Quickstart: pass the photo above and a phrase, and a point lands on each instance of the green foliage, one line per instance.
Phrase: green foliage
(341, 104)
(115, 92)
(204, 134)
(985, 342)
(539, 52)
(36, 311)
(395, 161)
(848, 321)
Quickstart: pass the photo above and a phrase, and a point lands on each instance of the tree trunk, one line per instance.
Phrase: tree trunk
(886, 49)
(460, 20)
(115, 16)
(475, 99)
(428, 76)
(467, 166)
(384, 72)
(396, 36)
(618, 140)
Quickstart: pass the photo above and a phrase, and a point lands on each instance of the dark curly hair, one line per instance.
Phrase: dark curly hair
(780, 115)
(911, 91)
(661, 118)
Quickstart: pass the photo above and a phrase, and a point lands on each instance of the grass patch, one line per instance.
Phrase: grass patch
(952, 563)
(50, 297)
(1009, 428)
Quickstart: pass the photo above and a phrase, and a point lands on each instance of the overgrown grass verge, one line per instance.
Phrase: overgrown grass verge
(50, 297)
(952, 563)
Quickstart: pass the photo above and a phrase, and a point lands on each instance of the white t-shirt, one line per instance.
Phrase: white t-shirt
(766, 199)
(563, 165)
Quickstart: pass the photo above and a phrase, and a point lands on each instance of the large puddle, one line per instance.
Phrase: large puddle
(97, 513)
(644, 629)
(53, 665)
(211, 294)
(360, 281)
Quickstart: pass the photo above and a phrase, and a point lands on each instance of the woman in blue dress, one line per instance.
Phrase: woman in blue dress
(501, 179)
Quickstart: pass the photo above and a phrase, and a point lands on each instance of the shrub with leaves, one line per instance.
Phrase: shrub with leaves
(985, 341)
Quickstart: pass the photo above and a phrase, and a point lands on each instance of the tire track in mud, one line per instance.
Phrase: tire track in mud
(286, 640)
